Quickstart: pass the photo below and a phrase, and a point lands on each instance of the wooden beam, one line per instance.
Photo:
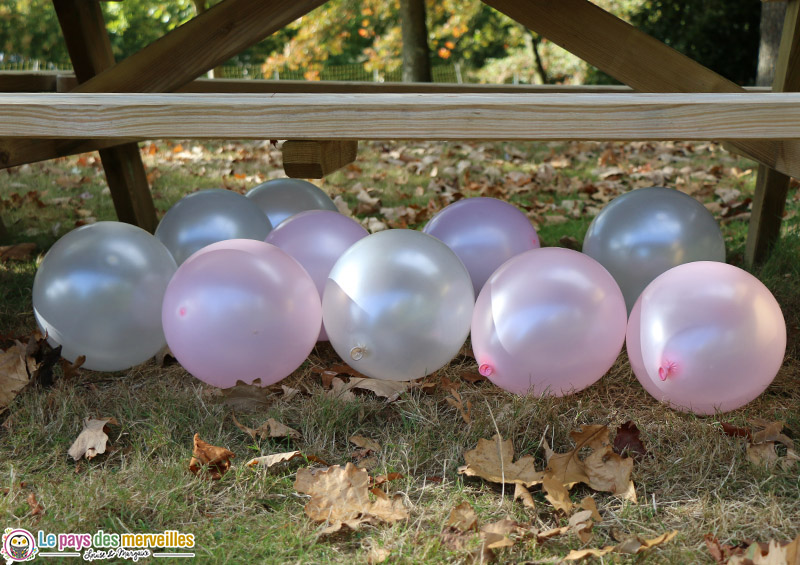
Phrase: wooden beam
(403, 116)
(27, 81)
(183, 54)
(89, 49)
(636, 59)
(772, 186)
(317, 159)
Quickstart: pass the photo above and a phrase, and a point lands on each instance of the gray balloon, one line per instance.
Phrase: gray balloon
(98, 293)
(281, 198)
(648, 231)
(209, 216)
(397, 305)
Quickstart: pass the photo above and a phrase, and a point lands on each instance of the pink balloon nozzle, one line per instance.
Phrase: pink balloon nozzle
(667, 369)
(486, 370)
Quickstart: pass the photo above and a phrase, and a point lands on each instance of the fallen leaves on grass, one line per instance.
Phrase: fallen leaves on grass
(364, 456)
(209, 461)
(522, 493)
(556, 493)
(340, 496)
(268, 461)
(92, 440)
(465, 409)
(36, 507)
(761, 447)
(603, 470)
(16, 368)
(493, 460)
(632, 546)
(390, 390)
(270, 428)
(771, 553)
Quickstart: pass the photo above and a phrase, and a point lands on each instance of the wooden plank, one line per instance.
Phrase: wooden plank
(403, 116)
(636, 59)
(316, 159)
(27, 81)
(772, 186)
(90, 51)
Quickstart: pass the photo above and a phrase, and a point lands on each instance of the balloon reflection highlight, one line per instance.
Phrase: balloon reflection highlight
(282, 198)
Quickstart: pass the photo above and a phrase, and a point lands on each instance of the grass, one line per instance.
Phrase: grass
(694, 479)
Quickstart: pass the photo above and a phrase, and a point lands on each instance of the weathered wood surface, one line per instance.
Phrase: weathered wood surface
(89, 47)
(772, 186)
(404, 116)
(316, 159)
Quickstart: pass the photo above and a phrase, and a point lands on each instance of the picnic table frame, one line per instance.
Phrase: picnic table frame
(155, 93)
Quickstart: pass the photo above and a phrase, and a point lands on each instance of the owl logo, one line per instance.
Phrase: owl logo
(18, 545)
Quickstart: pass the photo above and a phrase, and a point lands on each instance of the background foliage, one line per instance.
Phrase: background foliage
(488, 45)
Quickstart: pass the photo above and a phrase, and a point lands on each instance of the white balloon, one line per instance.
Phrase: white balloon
(397, 305)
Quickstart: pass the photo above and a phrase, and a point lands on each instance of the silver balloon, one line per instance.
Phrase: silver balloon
(281, 198)
(398, 305)
(648, 231)
(209, 216)
(98, 293)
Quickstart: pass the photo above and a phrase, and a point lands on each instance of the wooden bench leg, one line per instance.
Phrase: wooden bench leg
(771, 186)
(90, 51)
(316, 159)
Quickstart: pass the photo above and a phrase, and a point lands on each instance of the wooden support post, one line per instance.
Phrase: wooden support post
(183, 54)
(316, 159)
(636, 59)
(772, 186)
(90, 51)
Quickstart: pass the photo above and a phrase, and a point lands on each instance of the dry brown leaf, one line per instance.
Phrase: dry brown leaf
(17, 252)
(244, 396)
(493, 460)
(602, 469)
(628, 441)
(762, 454)
(272, 460)
(547, 534)
(581, 524)
(632, 545)
(289, 392)
(92, 439)
(456, 402)
(71, 370)
(589, 504)
(270, 428)
(722, 552)
(495, 535)
(772, 432)
(340, 496)
(772, 553)
(462, 518)
(36, 508)
(522, 493)
(761, 450)
(16, 368)
(556, 493)
(365, 443)
(215, 461)
(378, 555)
(390, 390)
(341, 390)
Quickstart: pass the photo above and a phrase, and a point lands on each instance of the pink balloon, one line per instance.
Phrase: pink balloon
(231, 315)
(706, 337)
(548, 322)
(484, 233)
(316, 239)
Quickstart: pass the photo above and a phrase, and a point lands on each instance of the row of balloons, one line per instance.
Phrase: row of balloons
(236, 299)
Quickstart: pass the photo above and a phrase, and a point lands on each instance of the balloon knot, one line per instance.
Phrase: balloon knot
(486, 370)
(357, 352)
(667, 369)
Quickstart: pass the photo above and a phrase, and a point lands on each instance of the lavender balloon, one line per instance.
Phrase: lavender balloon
(706, 337)
(282, 198)
(316, 239)
(241, 310)
(548, 322)
(484, 233)
(208, 216)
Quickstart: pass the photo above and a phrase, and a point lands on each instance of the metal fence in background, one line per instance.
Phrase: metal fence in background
(452, 73)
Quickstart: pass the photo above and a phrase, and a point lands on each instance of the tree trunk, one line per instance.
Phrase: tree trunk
(416, 53)
(772, 14)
